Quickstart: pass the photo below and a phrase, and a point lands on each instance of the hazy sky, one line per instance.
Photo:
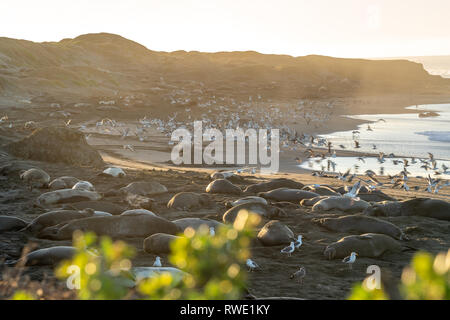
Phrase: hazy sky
(342, 28)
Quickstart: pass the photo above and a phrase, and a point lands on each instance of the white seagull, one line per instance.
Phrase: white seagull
(251, 265)
(298, 242)
(289, 249)
(350, 259)
(157, 262)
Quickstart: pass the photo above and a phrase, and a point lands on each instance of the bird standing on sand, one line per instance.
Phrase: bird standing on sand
(251, 265)
(212, 232)
(157, 262)
(289, 249)
(298, 242)
(299, 275)
(350, 259)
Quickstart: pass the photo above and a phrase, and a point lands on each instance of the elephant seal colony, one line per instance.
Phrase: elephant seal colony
(162, 209)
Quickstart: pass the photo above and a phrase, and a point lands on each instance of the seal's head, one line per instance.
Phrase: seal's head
(329, 253)
(374, 210)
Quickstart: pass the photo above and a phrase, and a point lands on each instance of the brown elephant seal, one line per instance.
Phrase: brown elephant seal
(115, 172)
(274, 233)
(83, 185)
(66, 195)
(321, 190)
(223, 186)
(47, 256)
(274, 184)
(422, 207)
(264, 210)
(104, 206)
(345, 204)
(369, 245)
(65, 182)
(53, 218)
(9, 223)
(144, 188)
(195, 223)
(222, 175)
(289, 195)
(36, 178)
(249, 199)
(361, 224)
(159, 243)
(136, 212)
(140, 226)
(188, 200)
(312, 201)
(285, 205)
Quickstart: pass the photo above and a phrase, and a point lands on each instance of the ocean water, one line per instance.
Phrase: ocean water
(404, 135)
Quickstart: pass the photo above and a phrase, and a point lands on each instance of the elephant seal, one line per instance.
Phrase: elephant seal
(370, 245)
(223, 186)
(195, 223)
(137, 212)
(264, 210)
(422, 207)
(113, 172)
(188, 200)
(312, 201)
(361, 224)
(8, 223)
(273, 184)
(321, 190)
(249, 199)
(141, 273)
(159, 243)
(36, 178)
(48, 256)
(53, 218)
(104, 206)
(144, 188)
(289, 195)
(65, 182)
(140, 226)
(274, 233)
(222, 175)
(66, 195)
(57, 184)
(345, 204)
(83, 185)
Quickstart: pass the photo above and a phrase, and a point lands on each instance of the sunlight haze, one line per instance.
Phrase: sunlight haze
(348, 28)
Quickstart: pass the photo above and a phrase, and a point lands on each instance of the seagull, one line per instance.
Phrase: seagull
(350, 259)
(289, 249)
(299, 275)
(157, 262)
(355, 190)
(252, 265)
(212, 231)
(298, 242)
